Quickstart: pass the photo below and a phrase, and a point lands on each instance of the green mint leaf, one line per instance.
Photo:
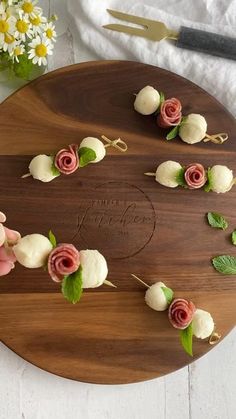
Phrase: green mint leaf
(233, 237)
(55, 170)
(180, 179)
(52, 238)
(168, 294)
(72, 286)
(186, 338)
(225, 264)
(162, 97)
(217, 220)
(207, 186)
(173, 133)
(24, 68)
(86, 155)
(184, 118)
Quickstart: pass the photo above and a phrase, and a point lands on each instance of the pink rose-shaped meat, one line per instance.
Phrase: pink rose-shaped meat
(170, 113)
(67, 160)
(181, 313)
(62, 261)
(195, 176)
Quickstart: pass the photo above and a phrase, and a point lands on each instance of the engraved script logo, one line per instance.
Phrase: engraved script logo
(119, 228)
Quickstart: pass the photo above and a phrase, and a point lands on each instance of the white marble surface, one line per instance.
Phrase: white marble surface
(204, 390)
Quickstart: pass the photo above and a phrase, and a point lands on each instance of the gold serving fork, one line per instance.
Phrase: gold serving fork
(190, 38)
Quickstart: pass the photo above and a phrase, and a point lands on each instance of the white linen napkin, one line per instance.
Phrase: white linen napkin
(216, 75)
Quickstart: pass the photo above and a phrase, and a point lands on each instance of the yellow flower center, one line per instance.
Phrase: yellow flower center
(27, 7)
(49, 33)
(41, 50)
(4, 26)
(17, 51)
(22, 26)
(36, 21)
(9, 38)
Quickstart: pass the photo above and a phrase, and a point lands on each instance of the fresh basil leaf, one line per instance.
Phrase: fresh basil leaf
(168, 294)
(162, 97)
(55, 170)
(180, 179)
(72, 286)
(217, 220)
(207, 187)
(173, 133)
(184, 118)
(233, 237)
(186, 338)
(225, 264)
(86, 155)
(52, 238)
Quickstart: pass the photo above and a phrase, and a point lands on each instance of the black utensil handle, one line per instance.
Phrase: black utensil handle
(208, 42)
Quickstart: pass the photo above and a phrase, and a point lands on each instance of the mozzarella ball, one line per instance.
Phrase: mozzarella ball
(202, 324)
(96, 145)
(41, 168)
(32, 251)
(221, 179)
(155, 297)
(193, 129)
(94, 268)
(147, 101)
(167, 172)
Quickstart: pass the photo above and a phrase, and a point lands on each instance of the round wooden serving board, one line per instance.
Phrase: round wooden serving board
(112, 336)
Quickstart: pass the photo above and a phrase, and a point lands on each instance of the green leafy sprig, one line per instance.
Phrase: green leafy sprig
(217, 220)
(86, 155)
(186, 338)
(72, 286)
(169, 293)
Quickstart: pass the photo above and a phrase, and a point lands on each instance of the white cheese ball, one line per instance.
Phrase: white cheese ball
(32, 251)
(167, 172)
(155, 297)
(147, 101)
(221, 179)
(202, 324)
(41, 168)
(193, 129)
(94, 268)
(96, 145)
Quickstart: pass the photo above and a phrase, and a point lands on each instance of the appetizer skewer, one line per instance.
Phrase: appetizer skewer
(217, 178)
(191, 128)
(91, 150)
(182, 314)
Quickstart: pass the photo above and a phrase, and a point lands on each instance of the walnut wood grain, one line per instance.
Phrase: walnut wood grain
(139, 226)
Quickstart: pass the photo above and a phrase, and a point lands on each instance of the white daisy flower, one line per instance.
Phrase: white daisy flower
(9, 43)
(7, 26)
(23, 29)
(40, 49)
(17, 51)
(29, 9)
(38, 24)
(49, 31)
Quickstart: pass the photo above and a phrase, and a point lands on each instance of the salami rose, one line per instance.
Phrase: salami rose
(181, 313)
(195, 176)
(170, 113)
(67, 160)
(62, 261)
